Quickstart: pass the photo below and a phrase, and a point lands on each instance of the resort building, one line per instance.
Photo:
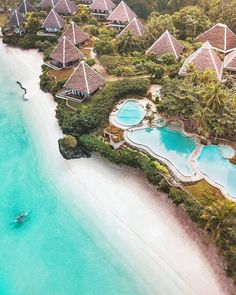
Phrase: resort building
(66, 7)
(121, 15)
(202, 59)
(166, 44)
(82, 83)
(102, 8)
(65, 54)
(220, 37)
(76, 35)
(135, 27)
(25, 7)
(230, 62)
(47, 4)
(16, 21)
(53, 23)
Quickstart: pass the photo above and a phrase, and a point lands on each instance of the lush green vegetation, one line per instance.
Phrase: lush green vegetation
(95, 112)
(215, 10)
(206, 105)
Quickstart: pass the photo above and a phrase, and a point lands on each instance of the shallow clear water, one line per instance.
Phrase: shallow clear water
(131, 113)
(52, 253)
(212, 163)
(169, 144)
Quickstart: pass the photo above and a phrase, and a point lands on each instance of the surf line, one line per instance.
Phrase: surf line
(24, 98)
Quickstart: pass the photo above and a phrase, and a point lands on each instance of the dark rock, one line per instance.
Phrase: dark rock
(77, 153)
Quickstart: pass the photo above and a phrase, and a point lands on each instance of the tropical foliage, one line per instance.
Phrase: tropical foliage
(203, 101)
(96, 112)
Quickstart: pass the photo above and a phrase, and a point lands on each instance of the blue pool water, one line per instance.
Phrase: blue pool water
(131, 113)
(53, 252)
(169, 144)
(212, 163)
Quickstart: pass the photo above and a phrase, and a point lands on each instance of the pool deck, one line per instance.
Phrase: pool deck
(143, 102)
(183, 178)
(192, 160)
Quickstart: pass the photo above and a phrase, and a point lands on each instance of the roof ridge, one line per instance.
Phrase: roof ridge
(214, 63)
(24, 2)
(225, 39)
(54, 12)
(67, 5)
(105, 3)
(85, 76)
(17, 19)
(137, 24)
(127, 15)
(73, 31)
(63, 50)
(171, 43)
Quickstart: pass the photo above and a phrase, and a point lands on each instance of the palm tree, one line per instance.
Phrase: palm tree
(128, 43)
(219, 218)
(202, 118)
(218, 131)
(215, 97)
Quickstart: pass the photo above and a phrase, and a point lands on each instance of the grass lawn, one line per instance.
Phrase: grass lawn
(203, 192)
(61, 75)
(3, 19)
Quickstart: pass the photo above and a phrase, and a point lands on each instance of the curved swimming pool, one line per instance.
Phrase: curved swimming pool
(216, 167)
(168, 144)
(131, 113)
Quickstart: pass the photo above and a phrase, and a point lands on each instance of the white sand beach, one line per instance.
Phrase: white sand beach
(153, 238)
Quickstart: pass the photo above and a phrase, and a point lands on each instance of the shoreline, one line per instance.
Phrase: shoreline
(133, 217)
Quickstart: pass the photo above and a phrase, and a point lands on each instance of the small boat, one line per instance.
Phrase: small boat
(21, 217)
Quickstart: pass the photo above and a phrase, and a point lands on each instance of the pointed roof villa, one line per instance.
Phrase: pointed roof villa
(65, 7)
(53, 21)
(166, 44)
(46, 4)
(66, 53)
(135, 27)
(204, 58)
(16, 19)
(122, 14)
(230, 61)
(220, 38)
(102, 6)
(76, 34)
(25, 7)
(84, 80)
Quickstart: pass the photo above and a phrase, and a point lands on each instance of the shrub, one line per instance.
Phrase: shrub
(90, 61)
(104, 46)
(69, 142)
(164, 186)
(177, 195)
(91, 29)
(162, 168)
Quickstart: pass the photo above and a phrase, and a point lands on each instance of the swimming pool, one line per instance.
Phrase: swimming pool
(212, 163)
(169, 144)
(131, 113)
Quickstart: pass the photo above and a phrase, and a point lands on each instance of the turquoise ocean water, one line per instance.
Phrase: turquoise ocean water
(52, 253)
